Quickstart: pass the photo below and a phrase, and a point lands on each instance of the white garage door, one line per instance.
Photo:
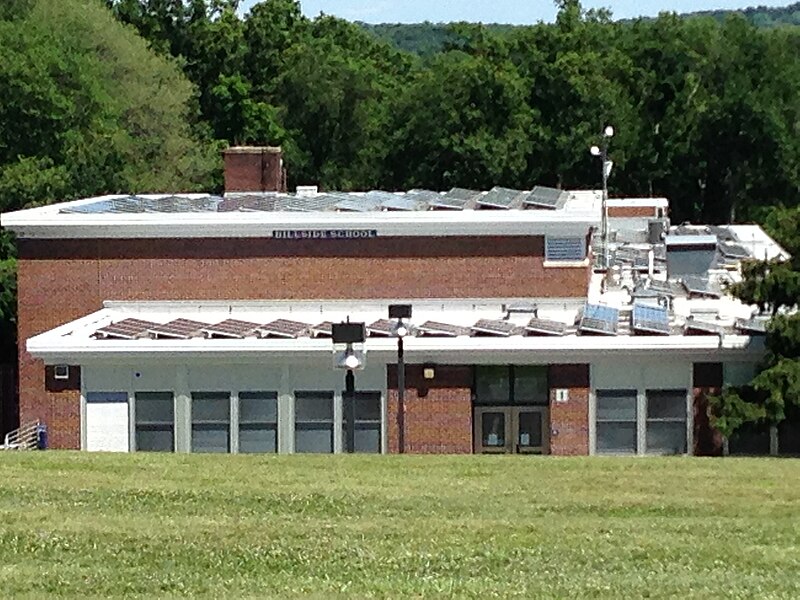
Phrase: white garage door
(107, 427)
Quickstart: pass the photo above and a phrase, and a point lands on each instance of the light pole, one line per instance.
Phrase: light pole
(602, 152)
(348, 334)
(400, 312)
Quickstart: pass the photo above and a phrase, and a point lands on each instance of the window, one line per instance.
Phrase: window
(367, 428)
(616, 422)
(154, 421)
(313, 422)
(509, 385)
(558, 249)
(258, 422)
(666, 422)
(211, 421)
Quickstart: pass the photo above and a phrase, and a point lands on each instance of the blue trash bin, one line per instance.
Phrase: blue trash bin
(41, 437)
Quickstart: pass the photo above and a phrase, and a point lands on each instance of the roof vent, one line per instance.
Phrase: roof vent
(307, 190)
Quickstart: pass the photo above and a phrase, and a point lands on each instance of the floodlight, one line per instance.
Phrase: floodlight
(609, 131)
(351, 361)
(399, 311)
(595, 150)
(401, 330)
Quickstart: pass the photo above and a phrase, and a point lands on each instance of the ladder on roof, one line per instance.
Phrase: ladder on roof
(25, 437)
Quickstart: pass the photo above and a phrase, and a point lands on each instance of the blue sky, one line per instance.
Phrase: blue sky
(497, 11)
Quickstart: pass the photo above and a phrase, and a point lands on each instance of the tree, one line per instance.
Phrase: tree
(774, 286)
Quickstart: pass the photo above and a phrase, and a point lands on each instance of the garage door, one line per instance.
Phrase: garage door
(107, 426)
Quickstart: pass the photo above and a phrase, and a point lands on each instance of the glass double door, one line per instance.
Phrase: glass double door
(512, 430)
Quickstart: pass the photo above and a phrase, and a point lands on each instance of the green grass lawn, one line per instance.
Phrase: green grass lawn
(81, 525)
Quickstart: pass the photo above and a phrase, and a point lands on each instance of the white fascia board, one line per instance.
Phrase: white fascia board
(51, 225)
(62, 350)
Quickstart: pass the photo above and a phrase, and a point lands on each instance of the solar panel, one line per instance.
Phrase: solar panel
(701, 286)
(695, 326)
(599, 319)
(178, 329)
(546, 197)
(650, 319)
(754, 325)
(545, 327)
(455, 199)
(406, 202)
(360, 203)
(127, 329)
(733, 250)
(382, 327)
(323, 330)
(499, 197)
(433, 328)
(494, 327)
(284, 328)
(231, 328)
(248, 202)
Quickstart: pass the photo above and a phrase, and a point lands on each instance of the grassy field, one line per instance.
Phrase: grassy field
(80, 525)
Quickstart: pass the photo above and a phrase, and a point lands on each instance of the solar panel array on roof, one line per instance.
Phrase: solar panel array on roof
(141, 204)
(248, 203)
(455, 199)
(354, 203)
(546, 197)
(500, 197)
(127, 329)
(495, 327)
(649, 319)
(284, 328)
(599, 319)
(178, 329)
(433, 328)
(231, 328)
(545, 327)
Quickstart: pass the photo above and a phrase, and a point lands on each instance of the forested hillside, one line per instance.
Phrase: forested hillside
(428, 38)
(707, 112)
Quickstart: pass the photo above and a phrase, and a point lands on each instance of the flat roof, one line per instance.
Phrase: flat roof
(413, 213)
(440, 330)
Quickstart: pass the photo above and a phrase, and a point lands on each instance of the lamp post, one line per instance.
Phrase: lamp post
(400, 312)
(602, 152)
(348, 334)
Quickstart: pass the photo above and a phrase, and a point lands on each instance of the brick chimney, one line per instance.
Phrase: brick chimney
(254, 169)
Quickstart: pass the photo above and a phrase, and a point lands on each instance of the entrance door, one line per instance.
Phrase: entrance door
(511, 430)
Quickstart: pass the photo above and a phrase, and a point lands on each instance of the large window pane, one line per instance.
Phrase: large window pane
(313, 422)
(616, 405)
(211, 419)
(665, 437)
(492, 385)
(258, 422)
(616, 438)
(367, 426)
(666, 404)
(154, 421)
(750, 439)
(666, 422)
(616, 426)
(530, 385)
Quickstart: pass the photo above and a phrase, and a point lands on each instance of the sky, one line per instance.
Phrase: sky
(498, 11)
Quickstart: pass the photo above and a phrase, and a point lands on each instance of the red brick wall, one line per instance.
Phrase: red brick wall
(707, 381)
(569, 421)
(253, 169)
(438, 412)
(62, 280)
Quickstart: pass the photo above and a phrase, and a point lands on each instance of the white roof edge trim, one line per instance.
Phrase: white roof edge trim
(52, 348)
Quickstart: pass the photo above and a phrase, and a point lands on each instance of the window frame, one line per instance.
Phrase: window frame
(252, 425)
(618, 392)
(331, 424)
(151, 425)
(361, 423)
(208, 424)
(648, 420)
